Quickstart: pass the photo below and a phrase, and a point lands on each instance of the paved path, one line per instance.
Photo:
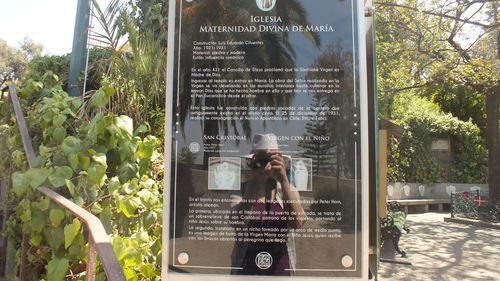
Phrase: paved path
(445, 251)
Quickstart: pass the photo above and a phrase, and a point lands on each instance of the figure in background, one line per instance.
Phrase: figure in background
(264, 200)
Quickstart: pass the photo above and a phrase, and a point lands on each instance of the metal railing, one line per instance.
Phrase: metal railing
(98, 240)
(475, 205)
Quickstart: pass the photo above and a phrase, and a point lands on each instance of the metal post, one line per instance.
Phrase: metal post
(79, 50)
(92, 259)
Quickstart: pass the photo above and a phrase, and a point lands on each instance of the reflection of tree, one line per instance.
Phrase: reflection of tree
(276, 51)
(321, 151)
(339, 128)
(186, 156)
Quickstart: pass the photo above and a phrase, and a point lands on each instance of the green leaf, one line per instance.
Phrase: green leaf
(76, 103)
(141, 236)
(55, 237)
(106, 218)
(24, 210)
(126, 205)
(56, 216)
(150, 219)
(42, 205)
(36, 239)
(147, 147)
(96, 173)
(76, 252)
(19, 184)
(113, 184)
(73, 161)
(36, 177)
(127, 150)
(99, 99)
(126, 124)
(148, 271)
(37, 221)
(59, 159)
(45, 151)
(56, 269)
(70, 232)
(100, 158)
(58, 120)
(18, 157)
(39, 161)
(130, 274)
(71, 145)
(96, 208)
(127, 171)
(60, 175)
(84, 161)
(59, 134)
(146, 197)
(141, 129)
(71, 187)
(110, 91)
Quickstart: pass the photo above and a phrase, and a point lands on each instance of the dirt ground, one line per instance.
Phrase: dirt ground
(445, 251)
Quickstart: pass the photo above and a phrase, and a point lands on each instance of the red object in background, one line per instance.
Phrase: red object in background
(466, 195)
(480, 200)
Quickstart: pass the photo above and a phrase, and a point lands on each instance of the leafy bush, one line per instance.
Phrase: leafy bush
(59, 65)
(102, 165)
(411, 158)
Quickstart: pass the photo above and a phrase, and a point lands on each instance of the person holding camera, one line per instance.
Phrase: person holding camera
(269, 209)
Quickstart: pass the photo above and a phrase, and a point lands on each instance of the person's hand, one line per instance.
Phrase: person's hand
(276, 168)
(235, 200)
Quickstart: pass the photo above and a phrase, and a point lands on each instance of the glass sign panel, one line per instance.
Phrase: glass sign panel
(267, 142)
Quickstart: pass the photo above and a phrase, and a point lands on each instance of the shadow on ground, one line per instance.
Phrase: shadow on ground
(440, 250)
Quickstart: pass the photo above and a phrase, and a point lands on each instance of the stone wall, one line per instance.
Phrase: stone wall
(399, 191)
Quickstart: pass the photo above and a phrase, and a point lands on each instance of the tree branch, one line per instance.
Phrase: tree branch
(468, 21)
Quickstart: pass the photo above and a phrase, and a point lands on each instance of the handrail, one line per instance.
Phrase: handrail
(98, 238)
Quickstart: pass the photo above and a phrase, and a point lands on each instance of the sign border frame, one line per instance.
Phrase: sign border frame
(364, 144)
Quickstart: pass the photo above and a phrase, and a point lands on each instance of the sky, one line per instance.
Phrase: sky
(49, 22)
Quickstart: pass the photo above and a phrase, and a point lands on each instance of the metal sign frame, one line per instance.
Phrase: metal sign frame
(365, 163)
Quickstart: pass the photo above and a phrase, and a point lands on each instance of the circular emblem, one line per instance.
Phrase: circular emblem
(266, 5)
(194, 147)
(183, 258)
(263, 260)
(347, 261)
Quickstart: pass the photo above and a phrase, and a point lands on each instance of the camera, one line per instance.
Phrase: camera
(260, 160)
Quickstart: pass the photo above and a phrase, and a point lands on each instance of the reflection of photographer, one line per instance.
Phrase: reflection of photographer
(267, 197)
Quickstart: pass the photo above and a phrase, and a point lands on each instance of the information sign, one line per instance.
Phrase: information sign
(266, 140)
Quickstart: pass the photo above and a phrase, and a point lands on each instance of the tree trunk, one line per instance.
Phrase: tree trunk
(493, 141)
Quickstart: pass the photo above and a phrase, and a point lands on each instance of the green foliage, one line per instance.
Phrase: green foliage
(153, 16)
(59, 65)
(14, 61)
(56, 269)
(461, 101)
(411, 158)
(133, 67)
(102, 166)
(436, 50)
